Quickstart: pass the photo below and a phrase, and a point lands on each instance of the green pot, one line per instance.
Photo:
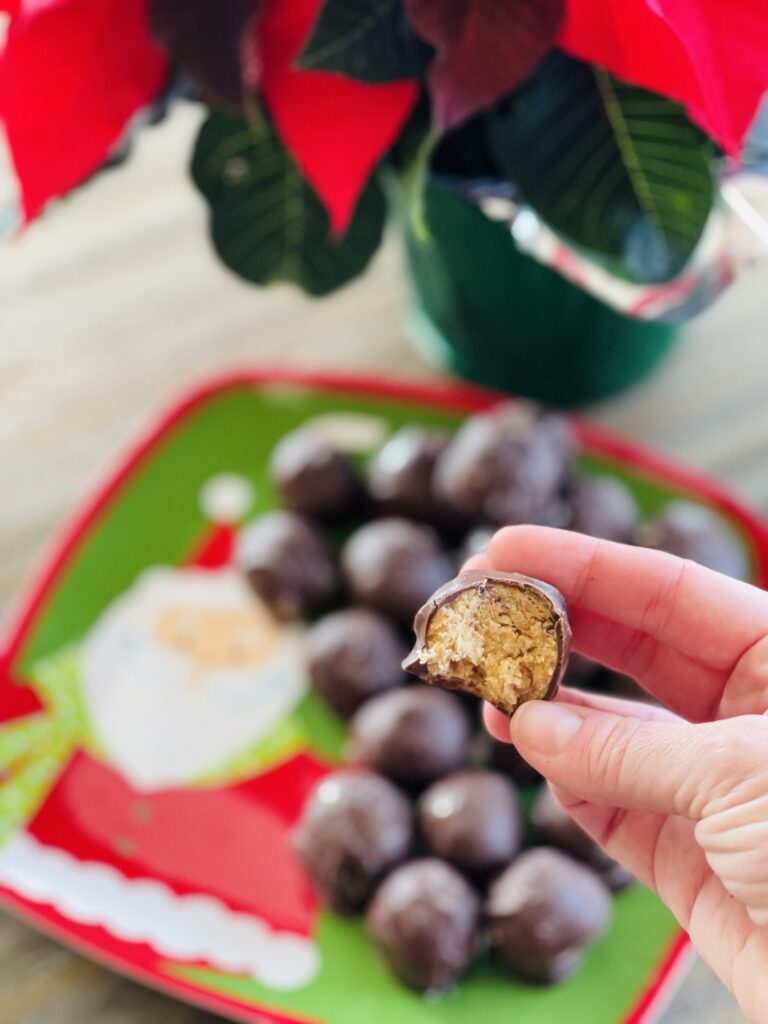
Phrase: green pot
(490, 314)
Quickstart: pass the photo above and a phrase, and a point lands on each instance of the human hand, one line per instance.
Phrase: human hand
(680, 799)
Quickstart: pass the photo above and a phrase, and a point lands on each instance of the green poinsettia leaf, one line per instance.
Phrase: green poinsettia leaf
(618, 170)
(370, 40)
(266, 222)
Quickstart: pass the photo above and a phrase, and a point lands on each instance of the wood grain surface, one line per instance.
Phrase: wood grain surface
(114, 302)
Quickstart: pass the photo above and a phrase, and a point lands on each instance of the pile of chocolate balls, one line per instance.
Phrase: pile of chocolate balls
(423, 832)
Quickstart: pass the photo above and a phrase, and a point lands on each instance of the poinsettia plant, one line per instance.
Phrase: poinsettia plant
(610, 118)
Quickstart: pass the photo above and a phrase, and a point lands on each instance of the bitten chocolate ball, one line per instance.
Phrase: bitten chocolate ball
(315, 480)
(424, 923)
(352, 655)
(602, 506)
(472, 820)
(288, 564)
(507, 466)
(543, 912)
(400, 479)
(499, 635)
(355, 827)
(393, 565)
(556, 827)
(413, 735)
(695, 532)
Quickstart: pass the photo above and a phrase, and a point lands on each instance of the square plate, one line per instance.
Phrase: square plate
(156, 840)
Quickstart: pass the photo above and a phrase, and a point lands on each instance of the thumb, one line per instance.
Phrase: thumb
(623, 761)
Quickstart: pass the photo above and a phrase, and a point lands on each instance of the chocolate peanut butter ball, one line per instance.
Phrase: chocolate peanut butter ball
(616, 876)
(602, 506)
(506, 758)
(580, 670)
(543, 912)
(393, 565)
(619, 685)
(400, 479)
(355, 827)
(424, 923)
(475, 543)
(507, 466)
(692, 531)
(499, 635)
(556, 827)
(412, 735)
(472, 820)
(315, 480)
(288, 564)
(352, 655)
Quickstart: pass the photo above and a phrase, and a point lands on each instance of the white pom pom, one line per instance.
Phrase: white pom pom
(227, 498)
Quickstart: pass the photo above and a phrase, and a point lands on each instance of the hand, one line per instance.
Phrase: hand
(681, 799)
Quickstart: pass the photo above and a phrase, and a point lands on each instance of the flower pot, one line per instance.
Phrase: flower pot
(488, 313)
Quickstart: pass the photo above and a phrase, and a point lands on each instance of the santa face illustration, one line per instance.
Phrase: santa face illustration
(187, 747)
(183, 672)
(162, 838)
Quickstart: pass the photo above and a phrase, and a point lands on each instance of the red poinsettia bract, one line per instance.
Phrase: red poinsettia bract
(336, 129)
(72, 73)
(710, 55)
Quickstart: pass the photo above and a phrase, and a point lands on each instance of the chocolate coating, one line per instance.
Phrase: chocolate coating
(355, 827)
(288, 564)
(616, 877)
(412, 735)
(353, 655)
(619, 685)
(472, 820)
(315, 480)
(695, 532)
(479, 580)
(506, 466)
(556, 827)
(551, 970)
(400, 478)
(602, 506)
(393, 565)
(508, 759)
(424, 922)
(580, 670)
(543, 911)
(475, 543)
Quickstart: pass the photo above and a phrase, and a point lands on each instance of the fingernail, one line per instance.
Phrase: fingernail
(544, 727)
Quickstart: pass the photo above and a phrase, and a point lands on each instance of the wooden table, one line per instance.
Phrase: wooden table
(114, 302)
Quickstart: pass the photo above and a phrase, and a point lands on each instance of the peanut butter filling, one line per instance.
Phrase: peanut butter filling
(499, 642)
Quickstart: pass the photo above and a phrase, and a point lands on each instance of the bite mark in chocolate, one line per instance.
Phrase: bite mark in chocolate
(501, 636)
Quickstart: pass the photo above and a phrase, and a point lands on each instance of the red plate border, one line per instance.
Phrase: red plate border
(97, 944)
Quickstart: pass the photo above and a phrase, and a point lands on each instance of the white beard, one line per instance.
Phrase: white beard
(160, 722)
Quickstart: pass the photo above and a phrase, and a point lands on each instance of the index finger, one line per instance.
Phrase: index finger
(708, 617)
